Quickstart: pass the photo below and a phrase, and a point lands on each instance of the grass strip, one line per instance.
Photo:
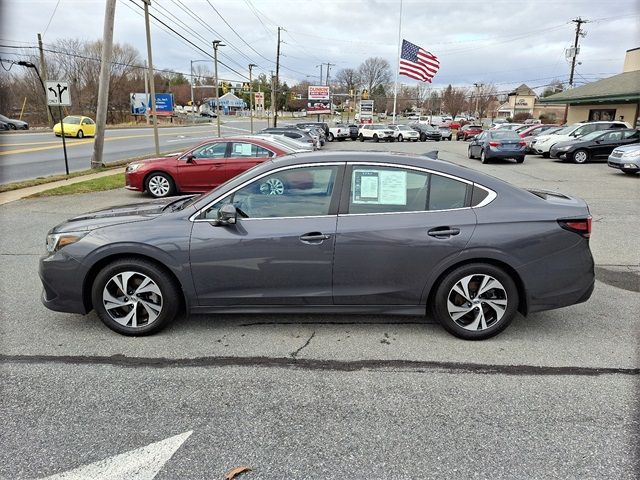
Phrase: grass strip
(109, 182)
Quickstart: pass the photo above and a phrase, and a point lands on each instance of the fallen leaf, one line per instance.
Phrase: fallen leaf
(231, 474)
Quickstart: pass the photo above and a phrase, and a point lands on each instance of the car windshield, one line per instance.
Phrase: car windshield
(504, 135)
(72, 120)
(592, 135)
(566, 130)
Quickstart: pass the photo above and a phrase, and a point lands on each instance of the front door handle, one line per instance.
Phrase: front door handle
(314, 237)
(443, 232)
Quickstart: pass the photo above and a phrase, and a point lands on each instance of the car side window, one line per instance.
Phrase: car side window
(612, 137)
(249, 150)
(210, 150)
(397, 190)
(631, 134)
(297, 192)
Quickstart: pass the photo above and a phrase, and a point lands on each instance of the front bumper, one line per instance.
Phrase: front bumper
(62, 280)
(134, 181)
(624, 164)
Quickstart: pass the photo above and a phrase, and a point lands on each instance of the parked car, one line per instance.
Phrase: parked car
(285, 142)
(470, 249)
(413, 116)
(594, 146)
(468, 131)
(338, 132)
(294, 133)
(76, 126)
(201, 168)
(543, 143)
(4, 126)
(626, 158)
(529, 139)
(497, 144)
(404, 132)
(445, 132)
(322, 125)
(354, 130)
(536, 129)
(427, 132)
(14, 124)
(375, 132)
(509, 126)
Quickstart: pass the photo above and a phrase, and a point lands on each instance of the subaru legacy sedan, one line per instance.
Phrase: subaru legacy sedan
(343, 232)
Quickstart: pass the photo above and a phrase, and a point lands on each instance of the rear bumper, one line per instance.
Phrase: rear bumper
(489, 153)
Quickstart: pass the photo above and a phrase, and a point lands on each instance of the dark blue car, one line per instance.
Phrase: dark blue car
(497, 144)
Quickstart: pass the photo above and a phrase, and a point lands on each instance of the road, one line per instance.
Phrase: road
(25, 156)
(310, 396)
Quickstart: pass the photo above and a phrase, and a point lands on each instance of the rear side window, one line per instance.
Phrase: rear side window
(396, 190)
(243, 150)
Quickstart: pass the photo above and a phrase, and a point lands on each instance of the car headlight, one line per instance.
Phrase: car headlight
(633, 154)
(55, 241)
(563, 149)
(132, 167)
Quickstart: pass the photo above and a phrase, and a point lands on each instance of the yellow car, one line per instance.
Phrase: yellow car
(76, 126)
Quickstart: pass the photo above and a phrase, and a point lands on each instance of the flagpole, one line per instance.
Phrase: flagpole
(395, 87)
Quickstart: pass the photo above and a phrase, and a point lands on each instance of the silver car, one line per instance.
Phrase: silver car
(626, 158)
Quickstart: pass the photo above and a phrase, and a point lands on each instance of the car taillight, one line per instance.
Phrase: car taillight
(522, 143)
(580, 226)
(494, 144)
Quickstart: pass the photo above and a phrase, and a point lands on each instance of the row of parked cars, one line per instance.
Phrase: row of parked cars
(7, 123)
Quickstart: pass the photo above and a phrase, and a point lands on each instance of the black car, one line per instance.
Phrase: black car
(349, 232)
(14, 124)
(427, 132)
(322, 125)
(294, 133)
(353, 131)
(594, 146)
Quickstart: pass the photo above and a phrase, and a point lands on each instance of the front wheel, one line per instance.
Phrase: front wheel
(581, 156)
(469, 154)
(400, 138)
(475, 301)
(330, 137)
(423, 138)
(160, 185)
(80, 134)
(361, 137)
(376, 139)
(135, 297)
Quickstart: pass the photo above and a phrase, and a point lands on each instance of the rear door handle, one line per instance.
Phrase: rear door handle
(314, 237)
(442, 232)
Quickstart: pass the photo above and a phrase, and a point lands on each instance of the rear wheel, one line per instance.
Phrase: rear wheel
(376, 139)
(135, 297)
(546, 155)
(160, 185)
(483, 157)
(400, 138)
(423, 137)
(330, 137)
(361, 137)
(581, 156)
(519, 159)
(475, 301)
(469, 154)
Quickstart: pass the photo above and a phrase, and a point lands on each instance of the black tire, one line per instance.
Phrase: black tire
(519, 159)
(546, 155)
(400, 138)
(375, 138)
(12, 127)
(80, 134)
(170, 297)
(330, 137)
(469, 154)
(156, 178)
(581, 156)
(483, 157)
(437, 139)
(423, 137)
(361, 138)
(494, 322)
(630, 172)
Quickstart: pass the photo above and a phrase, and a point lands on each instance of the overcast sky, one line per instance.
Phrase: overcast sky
(505, 42)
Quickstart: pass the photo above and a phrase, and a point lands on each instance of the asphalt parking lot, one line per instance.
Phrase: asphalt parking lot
(555, 395)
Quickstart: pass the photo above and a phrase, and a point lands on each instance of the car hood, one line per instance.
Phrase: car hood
(136, 212)
(169, 156)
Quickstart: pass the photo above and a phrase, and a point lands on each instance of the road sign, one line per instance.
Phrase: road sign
(58, 94)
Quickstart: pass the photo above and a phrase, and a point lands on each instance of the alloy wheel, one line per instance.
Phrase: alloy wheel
(273, 186)
(580, 156)
(477, 302)
(132, 299)
(159, 186)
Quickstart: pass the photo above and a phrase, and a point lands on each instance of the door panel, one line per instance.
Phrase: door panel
(206, 170)
(386, 259)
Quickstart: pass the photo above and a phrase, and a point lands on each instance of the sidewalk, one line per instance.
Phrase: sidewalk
(13, 195)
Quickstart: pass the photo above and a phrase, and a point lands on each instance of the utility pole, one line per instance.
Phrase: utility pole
(478, 87)
(43, 74)
(277, 82)
(152, 83)
(273, 97)
(193, 117)
(329, 65)
(216, 44)
(103, 86)
(321, 65)
(578, 21)
(146, 92)
(251, 65)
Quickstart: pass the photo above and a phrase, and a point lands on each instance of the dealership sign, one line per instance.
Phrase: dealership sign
(259, 100)
(140, 103)
(318, 99)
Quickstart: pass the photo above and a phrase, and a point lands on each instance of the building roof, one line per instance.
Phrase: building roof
(523, 90)
(624, 87)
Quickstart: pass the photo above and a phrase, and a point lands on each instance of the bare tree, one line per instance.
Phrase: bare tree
(454, 100)
(486, 96)
(374, 72)
(349, 79)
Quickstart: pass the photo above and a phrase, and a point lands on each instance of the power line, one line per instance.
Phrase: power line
(51, 18)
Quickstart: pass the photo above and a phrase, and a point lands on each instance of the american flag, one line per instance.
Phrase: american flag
(417, 63)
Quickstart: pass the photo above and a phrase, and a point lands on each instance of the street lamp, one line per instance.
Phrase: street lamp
(216, 44)
(251, 65)
(193, 117)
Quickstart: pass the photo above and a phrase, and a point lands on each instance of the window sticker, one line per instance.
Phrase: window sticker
(381, 187)
(242, 149)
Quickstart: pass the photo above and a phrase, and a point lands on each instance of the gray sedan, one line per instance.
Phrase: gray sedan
(500, 143)
(346, 233)
(626, 158)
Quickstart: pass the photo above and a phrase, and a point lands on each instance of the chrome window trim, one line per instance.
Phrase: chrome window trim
(193, 218)
(491, 196)
(402, 213)
(410, 167)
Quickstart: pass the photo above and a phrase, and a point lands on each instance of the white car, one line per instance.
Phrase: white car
(286, 142)
(376, 132)
(339, 132)
(543, 143)
(404, 132)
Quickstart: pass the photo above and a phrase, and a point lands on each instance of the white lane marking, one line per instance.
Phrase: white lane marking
(235, 128)
(141, 464)
(188, 139)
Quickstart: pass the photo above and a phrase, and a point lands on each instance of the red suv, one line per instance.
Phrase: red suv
(468, 131)
(201, 168)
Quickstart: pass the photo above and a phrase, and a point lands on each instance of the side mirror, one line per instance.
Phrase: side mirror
(227, 215)
(189, 158)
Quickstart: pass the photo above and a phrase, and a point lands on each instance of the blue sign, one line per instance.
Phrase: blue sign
(140, 103)
(164, 102)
